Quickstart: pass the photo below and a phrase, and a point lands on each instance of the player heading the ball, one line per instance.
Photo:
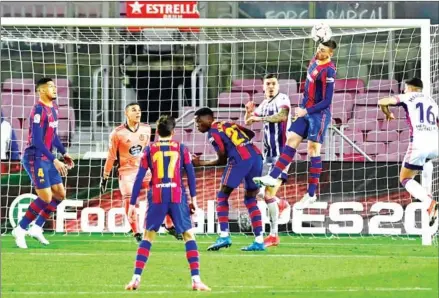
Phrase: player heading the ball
(44, 170)
(166, 159)
(311, 120)
(422, 117)
(234, 147)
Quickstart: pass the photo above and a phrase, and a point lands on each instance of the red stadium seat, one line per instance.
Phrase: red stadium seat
(258, 98)
(385, 86)
(394, 157)
(288, 86)
(227, 99)
(374, 148)
(340, 113)
(363, 124)
(367, 99)
(361, 112)
(6, 99)
(404, 136)
(397, 124)
(354, 135)
(397, 147)
(295, 98)
(18, 85)
(349, 85)
(382, 136)
(247, 85)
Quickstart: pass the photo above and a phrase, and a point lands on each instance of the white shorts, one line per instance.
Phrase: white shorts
(416, 157)
(269, 163)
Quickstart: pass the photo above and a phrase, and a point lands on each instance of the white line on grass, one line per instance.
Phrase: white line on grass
(273, 291)
(214, 254)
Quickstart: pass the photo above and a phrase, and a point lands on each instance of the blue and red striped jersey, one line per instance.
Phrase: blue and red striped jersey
(319, 87)
(43, 125)
(231, 139)
(166, 159)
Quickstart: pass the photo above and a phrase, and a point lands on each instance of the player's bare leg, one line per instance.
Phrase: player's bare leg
(132, 221)
(40, 203)
(222, 210)
(313, 176)
(417, 191)
(284, 160)
(36, 231)
(193, 259)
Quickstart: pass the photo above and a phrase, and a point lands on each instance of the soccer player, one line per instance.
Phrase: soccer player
(41, 165)
(166, 159)
(311, 120)
(274, 111)
(422, 117)
(234, 147)
(126, 144)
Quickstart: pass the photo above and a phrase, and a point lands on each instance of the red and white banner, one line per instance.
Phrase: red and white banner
(163, 9)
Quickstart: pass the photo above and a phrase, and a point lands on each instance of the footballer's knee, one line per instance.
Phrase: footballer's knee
(225, 189)
(59, 191)
(45, 194)
(314, 149)
(294, 140)
(188, 236)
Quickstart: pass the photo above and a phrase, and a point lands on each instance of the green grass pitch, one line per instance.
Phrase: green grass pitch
(100, 266)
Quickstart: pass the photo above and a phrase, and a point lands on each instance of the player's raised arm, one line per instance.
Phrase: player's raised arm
(145, 164)
(384, 104)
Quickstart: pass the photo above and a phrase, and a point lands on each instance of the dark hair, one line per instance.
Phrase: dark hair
(204, 112)
(330, 44)
(131, 104)
(165, 125)
(270, 76)
(42, 81)
(415, 82)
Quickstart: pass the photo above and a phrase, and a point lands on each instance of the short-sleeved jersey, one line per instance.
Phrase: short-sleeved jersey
(319, 87)
(47, 119)
(126, 147)
(166, 159)
(422, 117)
(274, 133)
(231, 139)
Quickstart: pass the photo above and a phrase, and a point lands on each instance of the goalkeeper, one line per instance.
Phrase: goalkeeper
(126, 144)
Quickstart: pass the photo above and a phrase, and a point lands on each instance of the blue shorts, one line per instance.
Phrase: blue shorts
(245, 170)
(42, 173)
(312, 127)
(179, 213)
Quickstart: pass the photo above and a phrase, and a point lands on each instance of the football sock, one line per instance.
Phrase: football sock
(142, 256)
(273, 210)
(283, 161)
(46, 212)
(255, 214)
(314, 174)
(416, 190)
(427, 176)
(193, 258)
(222, 210)
(32, 212)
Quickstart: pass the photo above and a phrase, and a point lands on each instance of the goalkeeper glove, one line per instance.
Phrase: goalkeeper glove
(103, 185)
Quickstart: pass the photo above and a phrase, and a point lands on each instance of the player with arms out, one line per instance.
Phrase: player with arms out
(166, 159)
(43, 168)
(234, 147)
(422, 117)
(126, 144)
(311, 120)
(274, 112)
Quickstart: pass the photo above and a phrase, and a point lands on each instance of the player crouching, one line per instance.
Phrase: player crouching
(166, 159)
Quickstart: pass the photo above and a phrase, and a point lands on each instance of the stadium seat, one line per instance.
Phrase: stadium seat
(229, 116)
(259, 136)
(303, 148)
(295, 98)
(288, 86)
(382, 136)
(394, 157)
(352, 86)
(397, 124)
(362, 112)
(363, 124)
(258, 98)
(15, 123)
(404, 136)
(256, 126)
(64, 131)
(398, 112)
(367, 99)
(247, 85)
(18, 85)
(397, 147)
(374, 148)
(21, 112)
(385, 86)
(21, 135)
(354, 135)
(236, 99)
(6, 99)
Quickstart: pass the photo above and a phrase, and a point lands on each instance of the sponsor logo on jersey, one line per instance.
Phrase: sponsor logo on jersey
(37, 118)
(166, 185)
(53, 124)
(136, 150)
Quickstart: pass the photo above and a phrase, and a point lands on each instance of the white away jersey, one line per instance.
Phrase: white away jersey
(274, 133)
(422, 117)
